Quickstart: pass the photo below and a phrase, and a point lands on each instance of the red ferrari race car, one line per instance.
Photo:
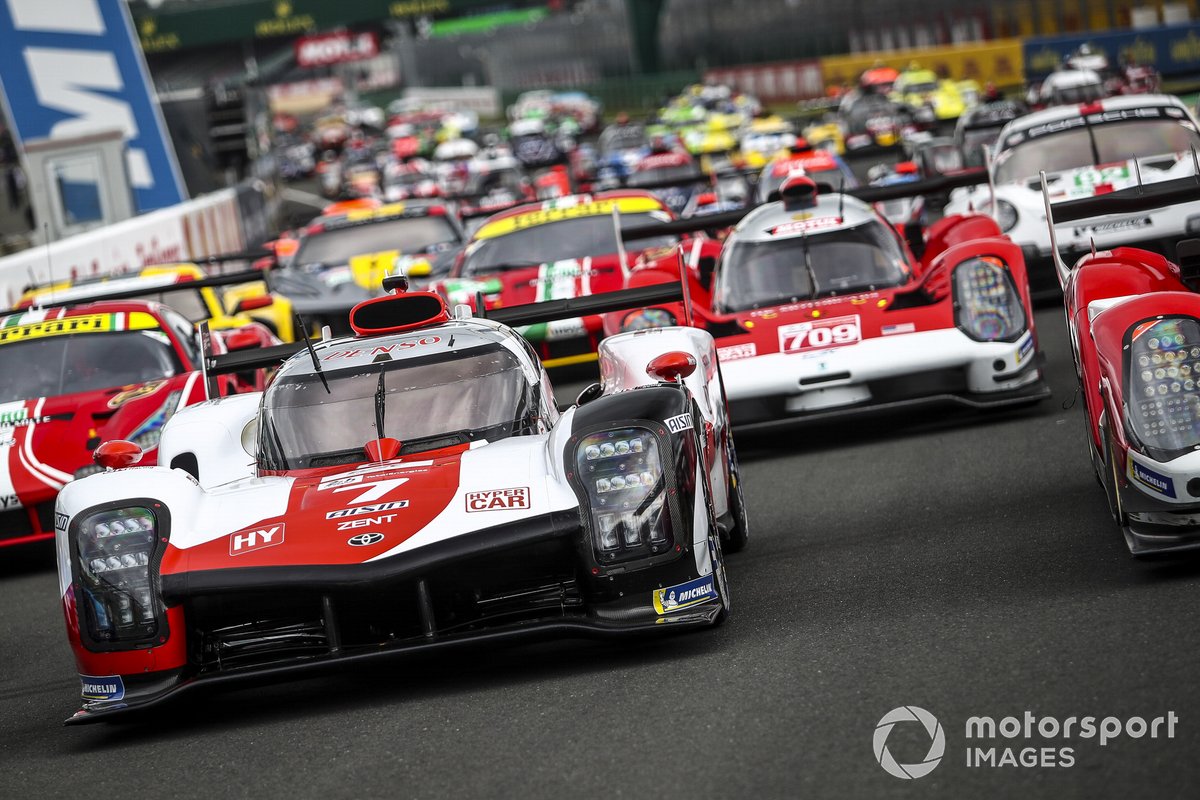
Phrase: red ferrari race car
(1134, 322)
(821, 308)
(557, 250)
(77, 375)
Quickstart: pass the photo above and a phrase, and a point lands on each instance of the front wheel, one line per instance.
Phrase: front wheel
(739, 532)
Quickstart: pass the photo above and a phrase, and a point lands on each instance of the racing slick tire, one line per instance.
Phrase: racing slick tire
(715, 550)
(738, 535)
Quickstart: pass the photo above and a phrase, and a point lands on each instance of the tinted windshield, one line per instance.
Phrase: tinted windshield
(86, 362)
(557, 241)
(479, 394)
(1087, 146)
(921, 88)
(661, 174)
(409, 235)
(768, 273)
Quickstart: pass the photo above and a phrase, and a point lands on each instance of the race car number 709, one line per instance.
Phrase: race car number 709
(818, 333)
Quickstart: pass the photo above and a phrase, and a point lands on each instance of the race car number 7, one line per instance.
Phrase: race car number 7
(818, 333)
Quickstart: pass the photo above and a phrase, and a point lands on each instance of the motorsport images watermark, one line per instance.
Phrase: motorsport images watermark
(1045, 741)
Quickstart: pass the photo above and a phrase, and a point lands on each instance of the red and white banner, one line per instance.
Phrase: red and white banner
(777, 82)
(334, 48)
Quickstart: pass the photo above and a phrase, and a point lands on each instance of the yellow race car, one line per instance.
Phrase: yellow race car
(763, 138)
(827, 135)
(930, 98)
(225, 301)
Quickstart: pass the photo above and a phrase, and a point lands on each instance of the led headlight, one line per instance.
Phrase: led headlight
(1161, 382)
(646, 318)
(1006, 215)
(622, 473)
(119, 605)
(986, 305)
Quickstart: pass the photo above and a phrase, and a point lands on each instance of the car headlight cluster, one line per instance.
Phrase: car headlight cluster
(646, 318)
(622, 473)
(1006, 215)
(1164, 367)
(986, 304)
(115, 553)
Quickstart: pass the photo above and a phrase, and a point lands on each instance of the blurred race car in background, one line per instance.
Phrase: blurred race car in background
(1088, 150)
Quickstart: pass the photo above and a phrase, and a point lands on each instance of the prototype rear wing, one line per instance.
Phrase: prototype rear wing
(868, 194)
(1135, 199)
(513, 316)
(246, 276)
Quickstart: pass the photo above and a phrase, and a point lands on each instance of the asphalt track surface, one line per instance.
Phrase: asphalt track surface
(962, 564)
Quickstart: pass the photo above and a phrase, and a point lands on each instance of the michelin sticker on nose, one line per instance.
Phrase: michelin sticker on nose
(685, 595)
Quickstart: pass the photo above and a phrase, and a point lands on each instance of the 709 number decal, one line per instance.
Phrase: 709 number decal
(818, 333)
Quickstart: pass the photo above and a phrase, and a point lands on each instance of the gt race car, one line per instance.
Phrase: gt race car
(820, 308)
(558, 249)
(1088, 150)
(76, 375)
(1134, 321)
(233, 301)
(342, 260)
(408, 489)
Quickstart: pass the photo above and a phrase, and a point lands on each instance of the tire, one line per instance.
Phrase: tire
(738, 535)
(716, 554)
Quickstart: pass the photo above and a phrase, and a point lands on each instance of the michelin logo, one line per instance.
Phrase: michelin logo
(1152, 480)
(685, 595)
(107, 687)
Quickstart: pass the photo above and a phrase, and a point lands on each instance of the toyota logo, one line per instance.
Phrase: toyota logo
(364, 539)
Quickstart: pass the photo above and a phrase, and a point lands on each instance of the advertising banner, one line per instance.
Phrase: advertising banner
(999, 61)
(1171, 49)
(72, 68)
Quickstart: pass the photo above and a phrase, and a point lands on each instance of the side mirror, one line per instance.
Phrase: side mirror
(589, 394)
(706, 266)
(252, 303)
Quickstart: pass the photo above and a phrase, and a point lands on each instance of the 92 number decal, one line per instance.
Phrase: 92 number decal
(818, 333)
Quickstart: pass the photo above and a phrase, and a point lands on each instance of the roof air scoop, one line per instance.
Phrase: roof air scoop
(398, 312)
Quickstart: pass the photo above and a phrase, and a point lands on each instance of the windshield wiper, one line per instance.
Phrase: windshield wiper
(808, 267)
(380, 404)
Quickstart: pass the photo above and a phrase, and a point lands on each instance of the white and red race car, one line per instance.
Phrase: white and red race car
(820, 307)
(413, 487)
(1134, 321)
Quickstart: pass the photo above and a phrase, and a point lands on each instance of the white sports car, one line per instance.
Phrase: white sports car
(1087, 150)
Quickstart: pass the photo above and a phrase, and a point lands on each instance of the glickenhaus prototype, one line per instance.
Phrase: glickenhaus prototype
(411, 488)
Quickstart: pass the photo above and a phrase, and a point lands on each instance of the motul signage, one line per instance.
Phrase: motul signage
(335, 48)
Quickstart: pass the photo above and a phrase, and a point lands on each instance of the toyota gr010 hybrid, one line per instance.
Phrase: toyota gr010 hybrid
(1134, 321)
(76, 375)
(820, 308)
(413, 487)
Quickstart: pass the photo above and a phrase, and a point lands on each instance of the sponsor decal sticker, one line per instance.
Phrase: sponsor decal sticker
(801, 226)
(8, 501)
(1152, 480)
(680, 423)
(736, 351)
(90, 323)
(389, 349)
(628, 205)
(374, 508)
(364, 539)
(498, 499)
(133, 393)
(903, 327)
(685, 595)
(365, 522)
(104, 687)
(1133, 223)
(60, 521)
(249, 541)
(818, 333)
(1026, 348)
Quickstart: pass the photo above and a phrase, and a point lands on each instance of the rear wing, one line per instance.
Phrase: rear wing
(1143, 197)
(529, 314)
(245, 276)
(868, 194)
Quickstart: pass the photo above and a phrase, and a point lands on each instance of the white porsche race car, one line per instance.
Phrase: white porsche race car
(411, 488)
(1087, 150)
